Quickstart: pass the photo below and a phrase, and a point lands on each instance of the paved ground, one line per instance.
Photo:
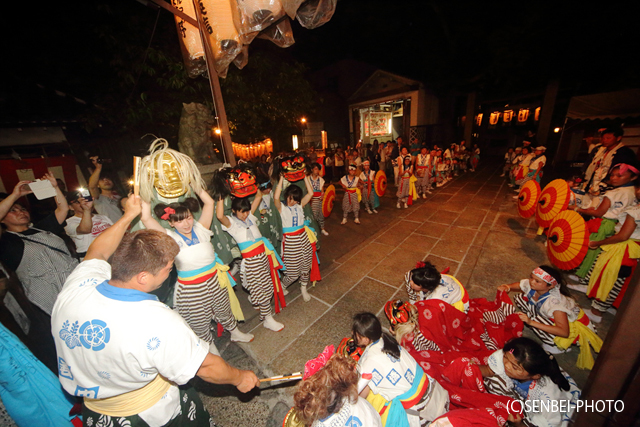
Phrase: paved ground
(470, 225)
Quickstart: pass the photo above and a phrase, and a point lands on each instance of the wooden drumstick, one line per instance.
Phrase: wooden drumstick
(288, 377)
(136, 175)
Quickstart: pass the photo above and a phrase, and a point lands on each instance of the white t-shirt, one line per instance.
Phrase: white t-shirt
(448, 291)
(389, 377)
(82, 241)
(243, 231)
(350, 182)
(203, 256)
(372, 176)
(112, 340)
(554, 302)
(356, 414)
(109, 207)
(633, 212)
(317, 184)
(292, 216)
(538, 163)
(620, 198)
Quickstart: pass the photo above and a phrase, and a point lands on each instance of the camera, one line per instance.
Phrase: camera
(85, 194)
(102, 161)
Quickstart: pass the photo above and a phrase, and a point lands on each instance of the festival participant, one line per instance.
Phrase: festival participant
(441, 169)
(329, 397)
(204, 291)
(553, 315)
(394, 378)
(405, 173)
(317, 183)
(298, 240)
(105, 199)
(121, 349)
(611, 152)
(39, 257)
(269, 222)
(351, 198)
(535, 166)
(369, 196)
(614, 201)
(475, 157)
(404, 152)
(508, 161)
(523, 371)
(610, 273)
(425, 282)
(423, 173)
(83, 227)
(522, 166)
(260, 262)
(338, 164)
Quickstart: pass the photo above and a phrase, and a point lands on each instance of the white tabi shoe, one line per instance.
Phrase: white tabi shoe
(344, 221)
(238, 336)
(285, 291)
(375, 211)
(398, 205)
(369, 211)
(270, 323)
(325, 232)
(305, 295)
(579, 288)
(552, 349)
(593, 317)
(406, 206)
(357, 221)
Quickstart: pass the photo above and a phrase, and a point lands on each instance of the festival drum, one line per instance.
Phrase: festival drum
(328, 200)
(380, 183)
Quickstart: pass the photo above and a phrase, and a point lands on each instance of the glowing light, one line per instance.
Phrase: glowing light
(217, 131)
(324, 140)
(131, 182)
(303, 120)
(556, 130)
(295, 141)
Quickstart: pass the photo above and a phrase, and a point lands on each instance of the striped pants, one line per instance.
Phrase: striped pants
(615, 291)
(530, 311)
(350, 203)
(200, 303)
(316, 207)
(297, 256)
(367, 197)
(256, 278)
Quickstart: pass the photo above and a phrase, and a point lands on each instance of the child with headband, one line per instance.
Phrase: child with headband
(425, 282)
(553, 315)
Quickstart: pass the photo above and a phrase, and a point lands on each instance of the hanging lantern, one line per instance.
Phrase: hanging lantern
(494, 118)
(324, 140)
(523, 115)
(536, 116)
(508, 115)
(479, 119)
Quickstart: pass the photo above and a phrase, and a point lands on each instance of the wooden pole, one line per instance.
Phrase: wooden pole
(214, 82)
(470, 119)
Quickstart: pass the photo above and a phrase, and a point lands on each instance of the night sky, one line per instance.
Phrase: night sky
(497, 47)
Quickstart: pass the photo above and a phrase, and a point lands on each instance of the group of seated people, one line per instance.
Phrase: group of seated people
(451, 361)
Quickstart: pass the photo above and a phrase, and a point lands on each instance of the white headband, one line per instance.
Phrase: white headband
(541, 274)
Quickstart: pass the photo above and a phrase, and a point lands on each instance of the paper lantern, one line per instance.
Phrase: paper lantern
(494, 118)
(523, 114)
(536, 115)
(190, 41)
(507, 116)
(479, 119)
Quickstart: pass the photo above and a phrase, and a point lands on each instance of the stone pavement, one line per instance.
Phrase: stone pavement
(470, 225)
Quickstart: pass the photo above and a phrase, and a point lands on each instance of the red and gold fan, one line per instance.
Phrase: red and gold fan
(553, 200)
(380, 183)
(328, 200)
(567, 240)
(528, 198)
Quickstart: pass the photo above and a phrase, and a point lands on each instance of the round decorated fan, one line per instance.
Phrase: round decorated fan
(528, 198)
(380, 183)
(328, 200)
(567, 240)
(553, 200)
